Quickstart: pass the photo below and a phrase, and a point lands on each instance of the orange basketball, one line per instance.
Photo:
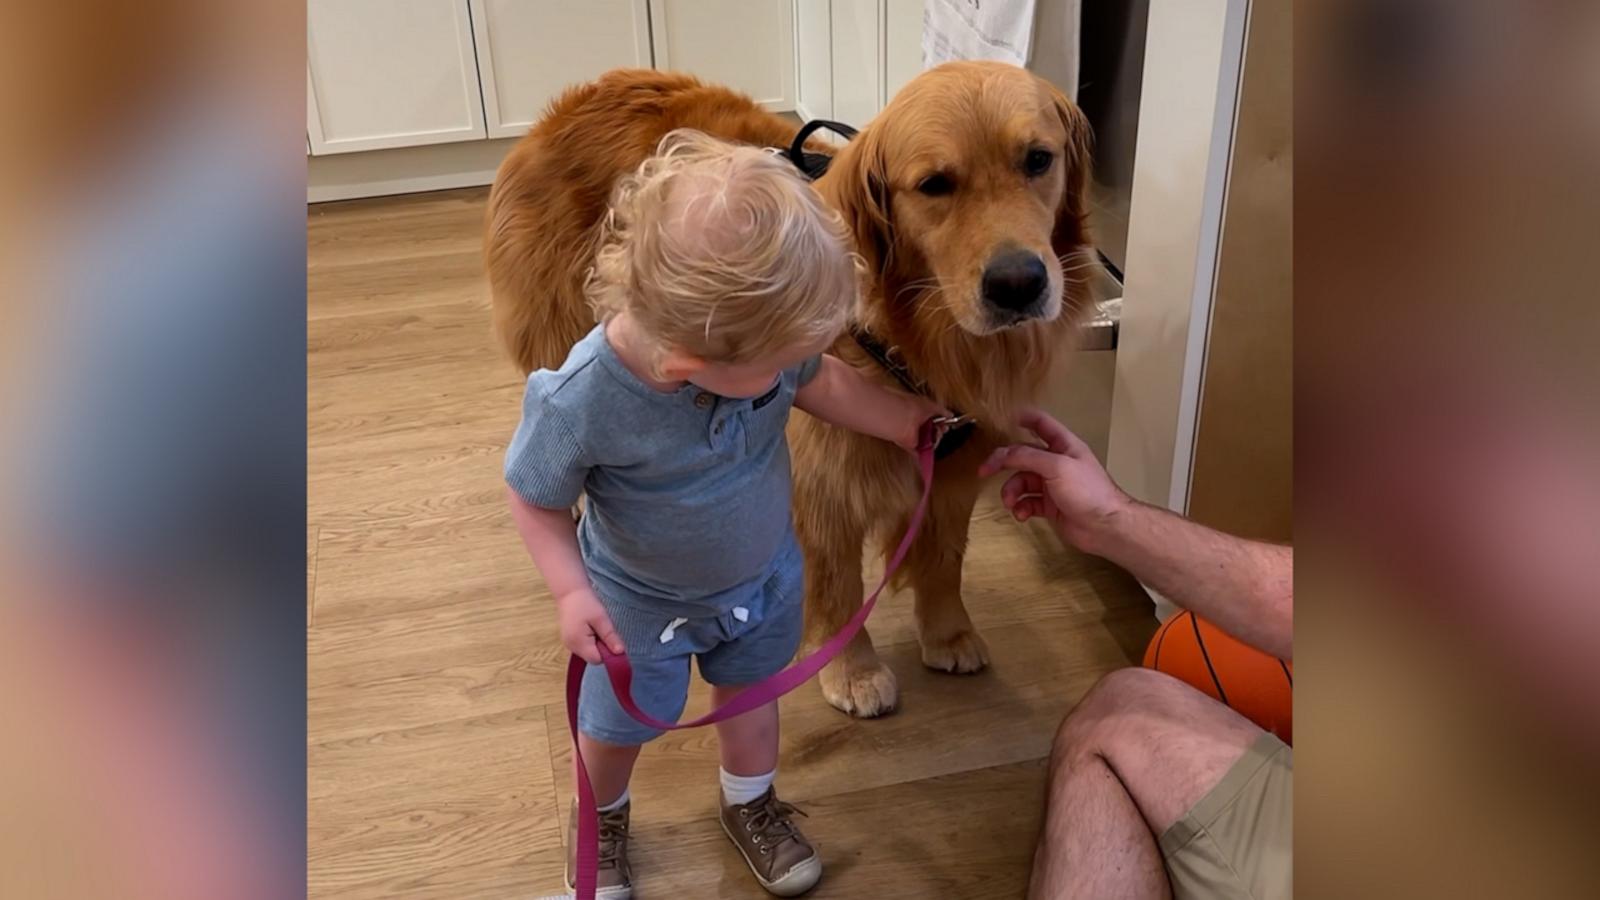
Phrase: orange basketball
(1257, 685)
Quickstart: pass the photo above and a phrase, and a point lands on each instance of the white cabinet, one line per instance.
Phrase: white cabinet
(390, 73)
(528, 52)
(857, 35)
(854, 55)
(747, 45)
(469, 76)
(813, 43)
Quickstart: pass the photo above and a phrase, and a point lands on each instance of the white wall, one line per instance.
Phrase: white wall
(1193, 56)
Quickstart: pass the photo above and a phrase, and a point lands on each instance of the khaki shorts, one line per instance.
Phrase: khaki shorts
(1238, 841)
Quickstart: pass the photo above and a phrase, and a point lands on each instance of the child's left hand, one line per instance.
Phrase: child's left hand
(918, 410)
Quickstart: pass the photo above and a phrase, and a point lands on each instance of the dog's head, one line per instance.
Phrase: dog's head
(966, 195)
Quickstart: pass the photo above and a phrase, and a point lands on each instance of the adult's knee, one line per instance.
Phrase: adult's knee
(1098, 723)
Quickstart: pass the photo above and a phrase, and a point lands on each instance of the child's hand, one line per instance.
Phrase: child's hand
(841, 395)
(918, 410)
(583, 622)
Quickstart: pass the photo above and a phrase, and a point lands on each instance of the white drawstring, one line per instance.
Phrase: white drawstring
(671, 631)
(668, 633)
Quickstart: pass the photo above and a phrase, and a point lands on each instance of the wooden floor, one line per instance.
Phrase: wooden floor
(438, 745)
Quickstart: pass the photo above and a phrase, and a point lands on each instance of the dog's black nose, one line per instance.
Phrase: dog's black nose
(1014, 280)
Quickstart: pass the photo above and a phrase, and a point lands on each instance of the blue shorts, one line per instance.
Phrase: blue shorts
(753, 640)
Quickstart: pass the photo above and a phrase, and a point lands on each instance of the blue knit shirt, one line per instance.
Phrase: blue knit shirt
(687, 493)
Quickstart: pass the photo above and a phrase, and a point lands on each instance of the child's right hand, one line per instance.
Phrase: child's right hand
(583, 622)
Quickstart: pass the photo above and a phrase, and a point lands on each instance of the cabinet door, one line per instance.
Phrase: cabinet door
(747, 45)
(529, 52)
(857, 60)
(813, 44)
(390, 73)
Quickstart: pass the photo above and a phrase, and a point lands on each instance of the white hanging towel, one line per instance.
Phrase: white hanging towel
(976, 29)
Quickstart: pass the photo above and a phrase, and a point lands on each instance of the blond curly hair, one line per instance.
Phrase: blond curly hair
(725, 252)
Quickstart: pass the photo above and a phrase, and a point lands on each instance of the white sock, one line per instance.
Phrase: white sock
(615, 804)
(740, 789)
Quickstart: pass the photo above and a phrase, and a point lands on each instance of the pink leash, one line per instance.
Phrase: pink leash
(621, 675)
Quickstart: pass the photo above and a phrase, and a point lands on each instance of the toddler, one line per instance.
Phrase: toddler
(720, 279)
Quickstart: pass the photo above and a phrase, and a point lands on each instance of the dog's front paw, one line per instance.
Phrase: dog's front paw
(963, 652)
(861, 689)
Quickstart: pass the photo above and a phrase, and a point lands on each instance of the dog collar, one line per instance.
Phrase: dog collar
(958, 427)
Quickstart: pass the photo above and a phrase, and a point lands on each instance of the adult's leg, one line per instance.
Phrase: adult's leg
(1137, 753)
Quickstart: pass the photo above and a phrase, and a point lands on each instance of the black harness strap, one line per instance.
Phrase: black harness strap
(813, 165)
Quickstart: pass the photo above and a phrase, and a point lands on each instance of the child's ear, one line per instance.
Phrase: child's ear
(676, 365)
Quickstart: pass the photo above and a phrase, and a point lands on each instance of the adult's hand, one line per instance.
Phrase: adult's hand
(1060, 481)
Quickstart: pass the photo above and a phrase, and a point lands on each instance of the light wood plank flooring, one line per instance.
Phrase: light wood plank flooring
(438, 748)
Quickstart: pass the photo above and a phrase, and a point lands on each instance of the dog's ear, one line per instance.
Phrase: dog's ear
(858, 185)
(1077, 158)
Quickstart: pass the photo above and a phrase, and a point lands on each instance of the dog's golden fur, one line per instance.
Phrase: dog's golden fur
(971, 123)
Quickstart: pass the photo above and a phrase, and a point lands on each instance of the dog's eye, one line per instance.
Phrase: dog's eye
(936, 185)
(1038, 162)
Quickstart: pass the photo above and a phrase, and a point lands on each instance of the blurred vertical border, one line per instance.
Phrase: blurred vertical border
(1447, 276)
(152, 482)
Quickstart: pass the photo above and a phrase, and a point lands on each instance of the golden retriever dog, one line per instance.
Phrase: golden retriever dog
(966, 198)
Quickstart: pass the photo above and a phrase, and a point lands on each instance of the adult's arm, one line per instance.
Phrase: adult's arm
(1244, 587)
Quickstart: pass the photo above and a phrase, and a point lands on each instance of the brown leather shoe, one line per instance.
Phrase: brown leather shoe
(615, 876)
(780, 856)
